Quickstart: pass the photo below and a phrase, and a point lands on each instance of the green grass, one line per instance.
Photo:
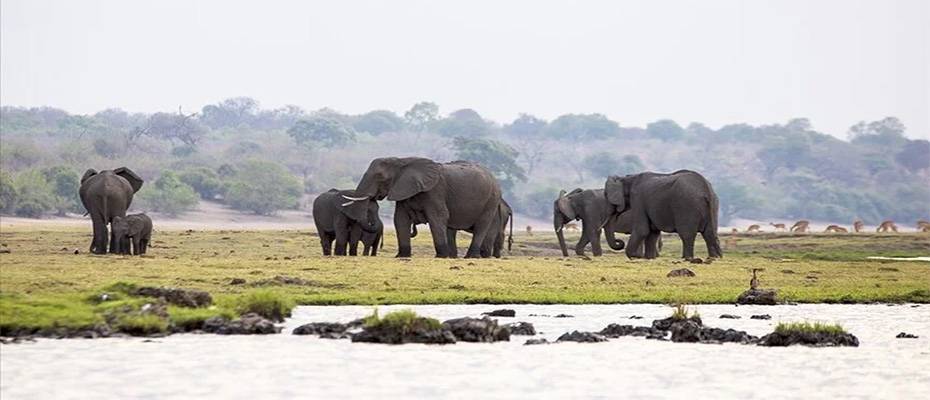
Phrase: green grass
(268, 303)
(141, 325)
(808, 327)
(186, 319)
(680, 311)
(401, 320)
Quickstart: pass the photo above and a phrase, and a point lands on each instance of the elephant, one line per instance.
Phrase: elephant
(105, 195)
(595, 213)
(682, 201)
(460, 195)
(493, 243)
(136, 228)
(346, 221)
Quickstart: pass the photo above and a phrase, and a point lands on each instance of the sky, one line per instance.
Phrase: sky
(716, 62)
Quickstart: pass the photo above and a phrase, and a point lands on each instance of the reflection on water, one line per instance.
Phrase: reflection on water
(288, 366)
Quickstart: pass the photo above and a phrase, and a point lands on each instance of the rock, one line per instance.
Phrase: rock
(681, 272)
(617, 330)
(636, 317)
(531, 342)
(76, 251)
(335, 335)
(666, 323)
(729, 316)
(717, 335)
(564, 316)
(469, 329)
(4, 251)
(762, 316)
(237, 281)
(815, 339)
(320, 328)
(521, 328)
(696, 260)
(501, 313)
(248, 324)
(179, 297)
(904, 335)
(765, 297)
(686, 331)
(581, 337)
(421, 330)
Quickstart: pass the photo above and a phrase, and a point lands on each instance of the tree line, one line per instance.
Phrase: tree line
(264, 160)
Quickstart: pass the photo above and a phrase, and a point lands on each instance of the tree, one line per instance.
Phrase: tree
(577, 127)
(378, 122)
(65, 184)
(464, 123)
(263, 188)
(8, 193)
(169, 126)
(665, 130)
(204, 181)
(915, 156)
(168, 195)
(604, 164)
(493, 155)
(886, 132)
(231, 112)
(321, 131)
(735, 199)
(526, 126)
(529, 132)
(33, 195)
(422, 115)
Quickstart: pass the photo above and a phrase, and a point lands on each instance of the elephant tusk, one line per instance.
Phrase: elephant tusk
(348, 203)
(355, 198)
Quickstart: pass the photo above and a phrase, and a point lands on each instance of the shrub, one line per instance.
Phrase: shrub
(400, 320)
(204, 181)
(807, 327)
(267, 303)
(263, 188)
(141, 325)
(33, 195)
(168, 195)
(188, 319)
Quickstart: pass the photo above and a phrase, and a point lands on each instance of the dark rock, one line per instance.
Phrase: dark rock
(666, 323)
(765, 297)
(581, 337)
(237, 281)
(356, 323)
(729, 316)
(564, 316)
(421, 330)
(762, 316)
(469, 329)
(335, 335)
(501, 313)
(522, 328)
(905, 335)
(681, 272)
(179, 297)
(4, 251)
(696, 260)
(531, 342)
(248, 324)
(617, 330)
(686, 331)
(636, 317)
(320, 328)
(717, 335)
(815, 339)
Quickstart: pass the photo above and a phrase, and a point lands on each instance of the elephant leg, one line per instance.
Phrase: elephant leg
(326, 240)
(593, 233)
(402, 229)
(145, 245)
(453, 246)
(713, 243)
(634, 249)
(342, 241)
(99, 244)
(136, 246)
(438, 225)
(687, 244)
(482, 229)
(355, 235)
(651, 246)
(582, 243)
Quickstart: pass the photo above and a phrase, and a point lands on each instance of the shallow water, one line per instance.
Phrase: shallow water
(288, 366)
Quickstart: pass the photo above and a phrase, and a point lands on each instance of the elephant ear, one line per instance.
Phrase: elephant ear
(565, 206)
(420, 175)
(614, 191)
(134, 180)
(356, 210)
(87, 174)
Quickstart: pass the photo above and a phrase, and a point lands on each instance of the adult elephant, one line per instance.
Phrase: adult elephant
(340, 218)
(682, 202)
(493, 244)
(458, 195)
(595, 212)
(105, 195)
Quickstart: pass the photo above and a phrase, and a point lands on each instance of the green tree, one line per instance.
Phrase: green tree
(493, 155)
(321, 131)
(34, 195)
(204, 181)
(665, 130)
(8, 193)
(422, 115)
(263, 188)
(526, 127)
(915, 156)
(735, 199)
(464, 123)
(65, 184)
(886, 132)
(378, 122)
(604, 164)
(576, 127)
(168, 195)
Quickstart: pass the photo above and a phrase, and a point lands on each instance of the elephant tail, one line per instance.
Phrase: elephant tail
(381, 238)
(510, 238)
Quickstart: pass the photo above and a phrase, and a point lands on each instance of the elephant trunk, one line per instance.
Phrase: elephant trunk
(612, 241)
(557, 221)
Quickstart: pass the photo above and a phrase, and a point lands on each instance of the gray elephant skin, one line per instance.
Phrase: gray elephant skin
(595, 212)
(134, 229)
(493, 244)
(105, 195)
(342, 219)
(682, 202)
(458, 195)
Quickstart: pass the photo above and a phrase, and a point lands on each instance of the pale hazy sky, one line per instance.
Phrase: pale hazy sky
(718, 62)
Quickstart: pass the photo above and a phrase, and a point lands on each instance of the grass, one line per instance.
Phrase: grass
(401, 320)
(680, 312)
(808, 327)
(43, 284)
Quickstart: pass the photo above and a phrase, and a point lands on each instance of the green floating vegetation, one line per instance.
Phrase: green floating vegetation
(265, 302)
(401, 320)
(808, 327)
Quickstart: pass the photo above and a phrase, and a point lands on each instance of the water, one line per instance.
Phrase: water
(288, 366)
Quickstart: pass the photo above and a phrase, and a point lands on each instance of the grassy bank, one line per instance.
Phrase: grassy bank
(42, 271)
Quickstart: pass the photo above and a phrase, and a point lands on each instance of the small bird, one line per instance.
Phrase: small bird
(754, 282)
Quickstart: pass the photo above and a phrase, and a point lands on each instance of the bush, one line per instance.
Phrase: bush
(267, 303)
(33, 195)
(65, 184)
(168, 195)
(401, 320)
(204, 181)
(8, 192)
(263, 188)
(807, 327)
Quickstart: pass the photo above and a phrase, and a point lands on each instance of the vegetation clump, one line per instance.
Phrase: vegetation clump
(809, 334)
(808, 327)
(266, 303)
(403, 326)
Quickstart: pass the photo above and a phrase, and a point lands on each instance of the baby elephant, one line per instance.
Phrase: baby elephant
(137, 227)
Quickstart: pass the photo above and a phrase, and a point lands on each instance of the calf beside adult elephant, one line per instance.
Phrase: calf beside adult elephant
(595, 212)
(493, 243)
(458, 195)
(341, 219)
(682, 202)
(107, 194)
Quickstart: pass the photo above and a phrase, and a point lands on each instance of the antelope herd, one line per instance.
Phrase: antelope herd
(803, 226)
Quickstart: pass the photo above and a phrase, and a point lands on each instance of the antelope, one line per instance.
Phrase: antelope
(753, 228)
(887, 226)
(734, 230)
(529, 230)
(836, 228)
(571, 227)
(754, 282)
(801, 226)
(778, 227)
(923, 225)
(858, 226)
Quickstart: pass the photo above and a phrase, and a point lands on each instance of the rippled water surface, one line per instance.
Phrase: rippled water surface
(288, 366)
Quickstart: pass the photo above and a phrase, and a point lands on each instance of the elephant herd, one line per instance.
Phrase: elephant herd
(451, 197)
